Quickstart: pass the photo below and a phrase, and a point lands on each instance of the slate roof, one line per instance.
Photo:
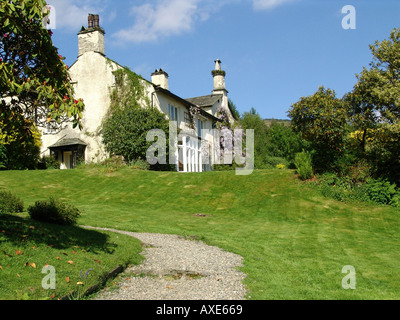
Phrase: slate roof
(185, 102)
(205, 101)
(68, 142)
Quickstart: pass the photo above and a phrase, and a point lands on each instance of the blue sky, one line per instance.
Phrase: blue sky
(273, 51)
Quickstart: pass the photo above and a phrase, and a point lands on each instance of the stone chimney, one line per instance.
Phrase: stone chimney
(160, 78)
(91, 39)
(219, 78)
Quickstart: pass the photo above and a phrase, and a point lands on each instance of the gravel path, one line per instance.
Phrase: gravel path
(179, 269)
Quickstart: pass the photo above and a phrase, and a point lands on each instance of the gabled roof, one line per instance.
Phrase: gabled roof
(205, 101)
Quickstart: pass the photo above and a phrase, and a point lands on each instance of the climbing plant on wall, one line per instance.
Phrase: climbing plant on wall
(130, 118)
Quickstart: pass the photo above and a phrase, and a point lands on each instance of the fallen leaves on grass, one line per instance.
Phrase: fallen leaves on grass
(31, 264)
(70, 262)
(17, 252)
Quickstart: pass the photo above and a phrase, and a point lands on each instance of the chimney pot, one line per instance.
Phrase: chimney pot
(96, 21)
(90, 21)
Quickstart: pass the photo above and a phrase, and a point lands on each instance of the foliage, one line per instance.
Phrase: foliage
(10, 203)
(379, 86)
(129, 90)
(384, 152)
(321, 119)
(344, 188)
(35, 84)
(375, 108)
(49, 162)
(20, 141)
(130, 118)
(125, 131)
(281, 166)
(228, 139)
(303, 163)
(382, 191)
(218, 73)
(3, 157)
(34, 81)
(54, 211)
(284, 142)
(139, 164)
(234, 109)
(252, 120)
(270, 162)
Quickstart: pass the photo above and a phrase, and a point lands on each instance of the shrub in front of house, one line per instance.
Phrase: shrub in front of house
(49, 162)
(54, 211)
(10, 203)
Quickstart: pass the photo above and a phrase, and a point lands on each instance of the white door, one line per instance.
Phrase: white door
(67, 160)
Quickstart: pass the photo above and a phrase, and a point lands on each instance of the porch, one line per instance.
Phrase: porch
(193, 155)
(69, 152)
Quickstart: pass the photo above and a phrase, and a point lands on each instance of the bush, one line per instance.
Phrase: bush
(54, 211)
(49, 162)
(10, 203)
(344, 188)
(302, 161)
(381, 191)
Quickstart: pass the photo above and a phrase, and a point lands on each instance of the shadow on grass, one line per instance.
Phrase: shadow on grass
(18, 229)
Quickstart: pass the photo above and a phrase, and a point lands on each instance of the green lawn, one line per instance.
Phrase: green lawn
(294, 241)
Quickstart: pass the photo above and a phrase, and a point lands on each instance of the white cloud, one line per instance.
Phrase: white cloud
(163, 18)
(72, 14)
(268, 4)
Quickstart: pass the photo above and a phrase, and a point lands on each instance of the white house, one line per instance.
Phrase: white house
(93, 79)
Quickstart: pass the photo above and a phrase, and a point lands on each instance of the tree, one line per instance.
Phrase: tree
(322, 120)
(379, 86)
(125, 131)
(252, 120)
(283, 142)
(234, 110)
(375, 105)
(35, 86)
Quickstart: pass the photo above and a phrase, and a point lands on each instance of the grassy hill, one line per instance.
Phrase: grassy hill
(294, 241)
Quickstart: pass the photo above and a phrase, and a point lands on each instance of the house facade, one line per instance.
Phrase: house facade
(93, 78)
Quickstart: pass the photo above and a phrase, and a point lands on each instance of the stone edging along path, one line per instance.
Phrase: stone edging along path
(178, 269)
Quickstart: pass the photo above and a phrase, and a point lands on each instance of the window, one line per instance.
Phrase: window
(200, 126)
(173, 113)
(51, 127)
(187, 117)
